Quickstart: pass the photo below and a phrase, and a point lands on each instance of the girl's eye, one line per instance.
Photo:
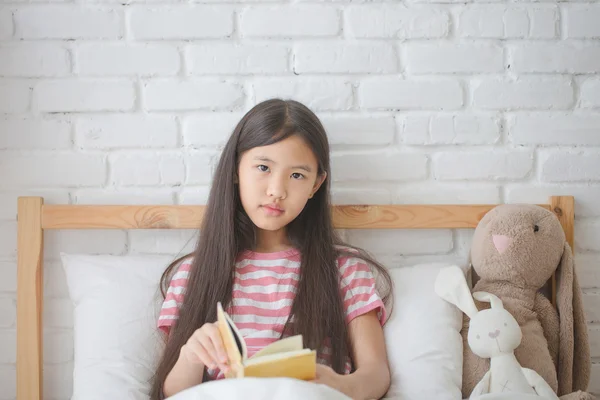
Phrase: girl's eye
(297, 175)
(263, 168)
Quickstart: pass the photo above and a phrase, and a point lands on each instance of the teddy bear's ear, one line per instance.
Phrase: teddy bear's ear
(574, 352)
(489, 298)
(451, 285)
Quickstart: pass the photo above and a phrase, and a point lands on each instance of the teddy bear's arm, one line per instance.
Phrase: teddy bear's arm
(539, 384)
(548, 318)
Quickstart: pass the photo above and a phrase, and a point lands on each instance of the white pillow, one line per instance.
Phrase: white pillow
(423, 338)
(116, 304)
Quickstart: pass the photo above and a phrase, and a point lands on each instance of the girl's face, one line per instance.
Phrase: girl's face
(276, 181)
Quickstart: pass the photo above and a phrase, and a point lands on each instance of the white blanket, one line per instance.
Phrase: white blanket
(259, 389)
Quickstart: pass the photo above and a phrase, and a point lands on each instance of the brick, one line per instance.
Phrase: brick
(94, 241)
(447, 193)
(126, 130)
(123, 196)
(21, 133)
(555, 129)
(449, 129)
(173, 241)
(68, 22)
(508, 21)
(55, 280)
(209, 130)
(72, 169)
(147, 169)
(581, 21)
(8, 199)
(16, 96)
(200, 167)
(588, 270)
(594, 336)
(586, 196)
(8, 310)
(591, 305)
(344, 57)
(570, 166)
(394, 93)
(58, 381)
(8, 382)
(34, 59)
(58, 313)
(396, 21)
(75, 95)
(556, 58)
(181, 22)
(176, 95)
(402, 242)
(8, 283)
(378, 166)
(238, 59)
(594, 386)
(425, 58)
(6, 24)
(492, 165)
(8, 234)
(350, 129)
(194, 196)
(8, 346)
(58, 347)
(525, 93)
(587, 236)
(360, 195)
(590, 93)
(316, 93)
(143, 59)
(287, 21)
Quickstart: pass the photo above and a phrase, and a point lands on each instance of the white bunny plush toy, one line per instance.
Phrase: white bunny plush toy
(494, 334)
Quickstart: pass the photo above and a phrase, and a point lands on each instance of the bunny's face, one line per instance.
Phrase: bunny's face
(493, 332)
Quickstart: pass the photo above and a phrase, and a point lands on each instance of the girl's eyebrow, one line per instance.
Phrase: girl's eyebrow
(267, 159)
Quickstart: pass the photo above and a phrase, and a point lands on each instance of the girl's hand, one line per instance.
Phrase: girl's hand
(329, 377)
(206, 346)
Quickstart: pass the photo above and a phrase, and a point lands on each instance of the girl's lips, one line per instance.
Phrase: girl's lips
(272, 210)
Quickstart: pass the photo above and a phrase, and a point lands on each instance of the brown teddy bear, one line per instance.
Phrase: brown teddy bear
(515, 251)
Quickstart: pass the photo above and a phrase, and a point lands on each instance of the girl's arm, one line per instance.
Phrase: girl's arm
(184, 374)
(371, 380)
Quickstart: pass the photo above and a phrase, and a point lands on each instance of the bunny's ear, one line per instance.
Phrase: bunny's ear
(451, 285)
(489, 298)
(574, 351)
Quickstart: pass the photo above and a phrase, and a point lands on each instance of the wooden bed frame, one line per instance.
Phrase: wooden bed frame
(34, 218)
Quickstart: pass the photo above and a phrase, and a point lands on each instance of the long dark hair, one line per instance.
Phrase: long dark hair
(227, 230)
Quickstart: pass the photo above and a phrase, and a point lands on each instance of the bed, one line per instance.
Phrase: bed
(34, 218)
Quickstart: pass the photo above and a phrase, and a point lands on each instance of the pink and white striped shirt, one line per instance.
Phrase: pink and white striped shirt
(263, 290)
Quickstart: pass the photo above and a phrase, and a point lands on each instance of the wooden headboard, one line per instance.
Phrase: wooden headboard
(34, 218)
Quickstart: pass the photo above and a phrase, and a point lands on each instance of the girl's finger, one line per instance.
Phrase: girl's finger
(217, 340)
(196, 353)
(206, 344)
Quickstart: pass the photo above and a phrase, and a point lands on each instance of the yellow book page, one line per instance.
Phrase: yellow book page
(303, 366)
(232, 348)
(291, 343)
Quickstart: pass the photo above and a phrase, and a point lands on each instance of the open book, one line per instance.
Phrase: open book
(283, 358)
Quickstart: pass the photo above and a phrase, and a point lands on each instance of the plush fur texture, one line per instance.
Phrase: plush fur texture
(515, 251)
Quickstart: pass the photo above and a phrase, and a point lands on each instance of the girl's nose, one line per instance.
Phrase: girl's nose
(276, 189)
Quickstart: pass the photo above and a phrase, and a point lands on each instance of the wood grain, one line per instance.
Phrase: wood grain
(190, 217)
(30, 279)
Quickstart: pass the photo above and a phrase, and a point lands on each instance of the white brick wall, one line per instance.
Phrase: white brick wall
(426, 101)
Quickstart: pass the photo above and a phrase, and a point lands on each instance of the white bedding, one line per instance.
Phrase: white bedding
(260, 389)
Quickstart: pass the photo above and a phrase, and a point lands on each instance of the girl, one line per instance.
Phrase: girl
(269, 253)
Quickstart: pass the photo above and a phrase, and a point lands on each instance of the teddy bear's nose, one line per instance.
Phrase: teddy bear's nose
(501, 242)
(494, 334)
